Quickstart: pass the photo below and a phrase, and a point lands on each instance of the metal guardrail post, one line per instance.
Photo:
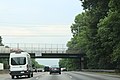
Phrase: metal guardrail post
(51, 48)
(57, 48)
(18, 46)
(45, 48)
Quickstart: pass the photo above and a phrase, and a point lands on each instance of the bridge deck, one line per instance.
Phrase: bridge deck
(47, 55)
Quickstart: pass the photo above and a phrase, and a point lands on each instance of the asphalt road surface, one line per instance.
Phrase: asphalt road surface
(65, 76)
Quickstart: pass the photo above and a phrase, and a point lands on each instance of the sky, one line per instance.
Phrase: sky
(38, 21)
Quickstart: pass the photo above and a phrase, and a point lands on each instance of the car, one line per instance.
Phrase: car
(35, 69)
(55, 70)
(46, 68)
(63, 69)
(39, 70)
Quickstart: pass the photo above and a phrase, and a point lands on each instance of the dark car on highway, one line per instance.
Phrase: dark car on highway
(46, 68)
(55, 70)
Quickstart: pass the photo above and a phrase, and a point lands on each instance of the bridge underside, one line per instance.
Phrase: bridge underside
(53, 55)
(47, 55)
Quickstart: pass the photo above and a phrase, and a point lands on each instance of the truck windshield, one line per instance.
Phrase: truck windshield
(18, 61)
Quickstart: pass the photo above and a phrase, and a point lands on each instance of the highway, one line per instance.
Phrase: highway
(65, 76)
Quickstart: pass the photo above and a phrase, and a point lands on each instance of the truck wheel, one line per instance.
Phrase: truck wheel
(17, 76)
(12, 77)
(29, 75)
(32, 75)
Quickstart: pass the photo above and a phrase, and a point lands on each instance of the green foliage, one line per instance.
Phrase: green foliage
(36, 64)
(1, 41)
(5, 63)
(109, 33)
(96, 34)
(78, 43)
(79, 31)
(70, 64)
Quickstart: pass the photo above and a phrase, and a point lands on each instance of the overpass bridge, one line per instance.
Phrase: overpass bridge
(37, 50)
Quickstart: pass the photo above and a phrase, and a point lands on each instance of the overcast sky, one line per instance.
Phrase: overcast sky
(38, 21)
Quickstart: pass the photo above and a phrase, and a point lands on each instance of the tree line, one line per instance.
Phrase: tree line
(96, 33)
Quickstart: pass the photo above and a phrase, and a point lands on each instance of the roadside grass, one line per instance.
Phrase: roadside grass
(109, 73)
(4, 71)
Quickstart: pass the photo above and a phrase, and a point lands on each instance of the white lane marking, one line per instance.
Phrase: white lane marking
(69, 76)
(37, 78)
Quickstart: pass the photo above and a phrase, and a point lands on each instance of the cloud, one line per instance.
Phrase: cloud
(13, 31)
(43, 30)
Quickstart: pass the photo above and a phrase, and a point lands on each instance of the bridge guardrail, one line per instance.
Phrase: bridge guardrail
(33, 48)
(4, 49)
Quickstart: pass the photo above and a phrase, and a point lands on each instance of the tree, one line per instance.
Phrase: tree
(1, 41)
(70, 64)
(36, 64)
(85, 30)
(95, 10)
(4, 61)
(109, 34)
(96, 34)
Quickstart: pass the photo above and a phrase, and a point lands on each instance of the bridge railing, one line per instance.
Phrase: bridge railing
(33, 48)
(54, 50)
(46, 50)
